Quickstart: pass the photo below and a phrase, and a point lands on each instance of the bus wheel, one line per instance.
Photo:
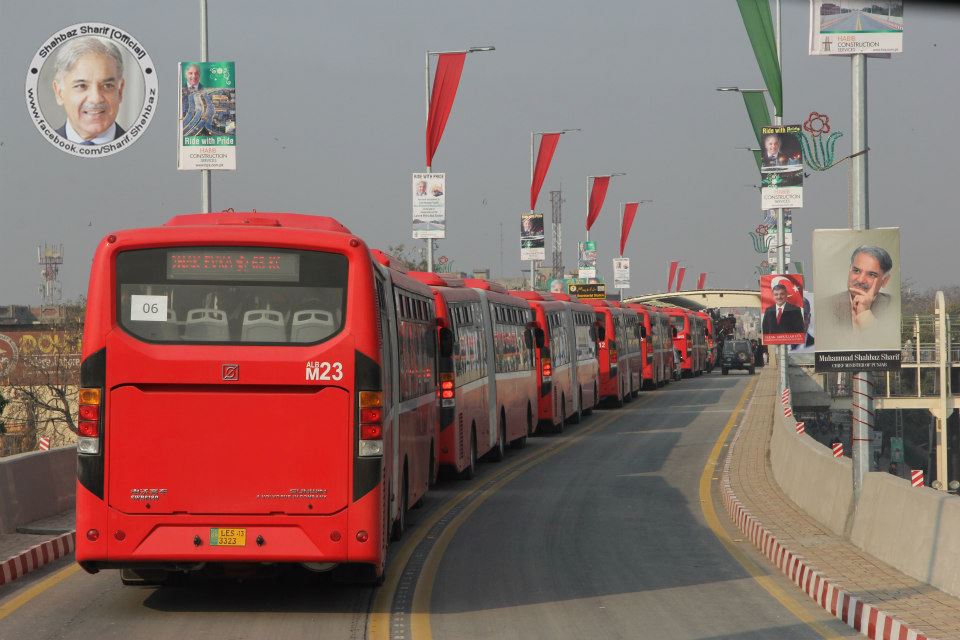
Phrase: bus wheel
(471, 470)
(499, 450)
(400, 524)
(578, 415)
(563, 415)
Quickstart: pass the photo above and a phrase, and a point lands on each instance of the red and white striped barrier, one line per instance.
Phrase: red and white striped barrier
(44, 443)
(785, 396)
(838, 450)
(36, 556)
(801, 428)
(916, 477)
(865, 618)
(788, 412)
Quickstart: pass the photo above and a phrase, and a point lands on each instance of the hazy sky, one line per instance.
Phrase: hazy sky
(330, 103)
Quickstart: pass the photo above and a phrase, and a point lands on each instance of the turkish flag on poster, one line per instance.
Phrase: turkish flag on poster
(445, 83)
(629, 212)
(548, 144)
(784, 319)
(597, 195)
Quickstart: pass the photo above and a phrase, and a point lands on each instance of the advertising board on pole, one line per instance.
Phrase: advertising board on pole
(781, 303)
(857, 283)
(621, 273)
(207, 136)
(845, 27)
(781, 167)
(587, 259)
(532, 237)
(429, 205)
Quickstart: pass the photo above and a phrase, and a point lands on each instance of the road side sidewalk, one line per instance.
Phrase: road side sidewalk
(35, 545)
(868, 594)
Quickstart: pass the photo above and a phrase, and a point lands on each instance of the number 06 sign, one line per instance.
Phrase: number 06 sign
(148, 308)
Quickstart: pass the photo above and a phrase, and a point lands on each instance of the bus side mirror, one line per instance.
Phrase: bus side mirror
(528, 338)
(538, 337)
(674, 330)
(641, 332)
(446, 343)
(601, 332)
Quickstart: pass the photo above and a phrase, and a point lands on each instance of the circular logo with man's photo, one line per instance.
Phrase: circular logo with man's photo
(91, 89)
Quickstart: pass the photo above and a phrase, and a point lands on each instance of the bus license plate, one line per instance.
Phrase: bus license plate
(222, 537)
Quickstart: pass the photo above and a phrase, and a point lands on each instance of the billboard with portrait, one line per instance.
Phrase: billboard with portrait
(841, 28)
(429, 205)
(207, 137)
(781, 308)
(67, 65)
(587, 259)
(781, 167)
(532, 237)
(621, 273)
(857, 282)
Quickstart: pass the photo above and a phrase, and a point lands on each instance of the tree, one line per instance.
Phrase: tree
(412, 258)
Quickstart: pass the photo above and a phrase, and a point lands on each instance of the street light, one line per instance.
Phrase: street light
(533, 135)
(739, 90)
(426, 93)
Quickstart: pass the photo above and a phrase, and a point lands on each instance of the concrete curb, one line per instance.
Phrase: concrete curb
(36, 557)
(865, 618)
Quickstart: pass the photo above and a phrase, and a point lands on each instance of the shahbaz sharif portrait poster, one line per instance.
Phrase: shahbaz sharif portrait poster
(856, 278)
(208, 116)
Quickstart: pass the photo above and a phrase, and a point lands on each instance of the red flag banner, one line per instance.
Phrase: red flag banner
(680, 274)
(673, 272)
(597, 195)
(548, 144)
(629, 212)
(445, 83)
(702, 282)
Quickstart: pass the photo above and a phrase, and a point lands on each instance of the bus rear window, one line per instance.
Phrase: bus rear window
(231, 295)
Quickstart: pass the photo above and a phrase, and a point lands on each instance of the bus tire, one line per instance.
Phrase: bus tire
(400, 524)
(724, 371)
(498, 452)
(752, 370)
(558, 428)
(471, 469)
(578, 415)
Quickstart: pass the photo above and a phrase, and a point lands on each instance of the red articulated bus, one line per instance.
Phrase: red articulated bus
(255, 388)
(688, 339)
(566, 357)
(619, 354)
(710, 339)
(656, 346)
(510, 347)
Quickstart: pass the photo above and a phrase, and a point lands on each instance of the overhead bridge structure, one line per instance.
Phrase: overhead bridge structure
(698, 299)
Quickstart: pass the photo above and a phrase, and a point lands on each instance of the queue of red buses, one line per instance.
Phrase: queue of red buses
(263, 389)
(689, 339)
(656, 344)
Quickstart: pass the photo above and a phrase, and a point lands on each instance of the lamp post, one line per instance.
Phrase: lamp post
(533, 135)
(639, 202)
(426, 93)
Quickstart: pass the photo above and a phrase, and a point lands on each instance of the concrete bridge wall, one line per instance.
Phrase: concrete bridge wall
(36, 485)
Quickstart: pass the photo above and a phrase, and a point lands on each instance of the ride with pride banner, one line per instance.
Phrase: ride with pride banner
(208, 116)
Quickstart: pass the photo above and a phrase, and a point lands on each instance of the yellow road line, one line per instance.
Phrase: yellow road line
(41, 587)
(420, 617)
(710, 515)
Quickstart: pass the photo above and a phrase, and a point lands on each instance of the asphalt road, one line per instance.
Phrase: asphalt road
(855, 21)
(597, 533)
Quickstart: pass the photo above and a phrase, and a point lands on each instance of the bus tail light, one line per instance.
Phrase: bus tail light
(546, 368)
(613, 357)
(447, 390)
(89, 420)
(371, 423)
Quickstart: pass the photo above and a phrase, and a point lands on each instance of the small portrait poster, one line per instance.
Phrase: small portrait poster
(587, 259)
(532, 237)
(781, 167)
(429, 205)
(781, 307)
(207, 135)
(621, 273)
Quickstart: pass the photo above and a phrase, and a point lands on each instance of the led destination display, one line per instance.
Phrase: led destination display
(233, 265)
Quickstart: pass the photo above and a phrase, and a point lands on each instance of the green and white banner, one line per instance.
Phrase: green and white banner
(207, 121)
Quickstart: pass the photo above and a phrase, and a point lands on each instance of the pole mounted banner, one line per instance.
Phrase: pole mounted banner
(445, 83)
(598, 194)
(680, 274)
(629, 213)
(673, 272)
(548, 144)
(759, 24)
(702, 281)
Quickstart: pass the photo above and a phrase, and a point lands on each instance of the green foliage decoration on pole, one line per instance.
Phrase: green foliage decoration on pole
(817, 151)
